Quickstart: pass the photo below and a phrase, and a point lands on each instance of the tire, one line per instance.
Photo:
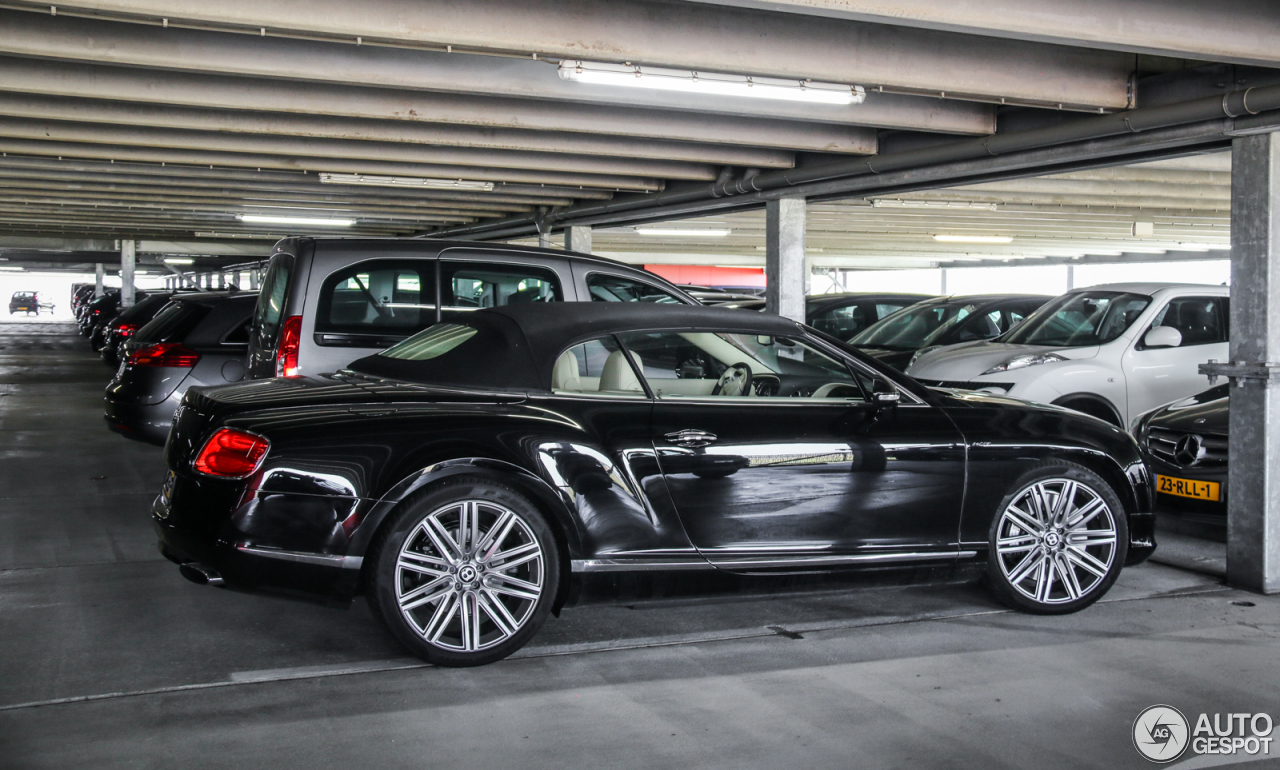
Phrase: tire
(1045, 559)
(425, 581)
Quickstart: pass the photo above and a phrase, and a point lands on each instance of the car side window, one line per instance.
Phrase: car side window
(597, 367)
(475, 285)
(982, 327)
(1200, 320)
(613, 288)
(270, 308)
(843, 322)
(884, 309)
(681, 365)
(378, 297)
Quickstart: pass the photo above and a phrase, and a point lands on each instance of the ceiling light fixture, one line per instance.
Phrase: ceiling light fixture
(178, 260)
(680, 231)
(974, 238)
(405, 181)
(8, 267)
(893, 203)
(324, 222)
(688, 81)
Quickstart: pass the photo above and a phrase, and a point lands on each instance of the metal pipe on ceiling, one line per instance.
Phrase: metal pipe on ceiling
(1214, 116)
(309, 63)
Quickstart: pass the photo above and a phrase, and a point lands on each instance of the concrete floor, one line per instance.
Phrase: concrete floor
(109, 659)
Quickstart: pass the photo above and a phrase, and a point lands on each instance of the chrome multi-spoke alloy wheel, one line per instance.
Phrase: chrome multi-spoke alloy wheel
(1056, 541)
(469, 576)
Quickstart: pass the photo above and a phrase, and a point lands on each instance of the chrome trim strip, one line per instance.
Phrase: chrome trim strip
(320, 559)
(818, 560)
(713, 561)
(638, 565)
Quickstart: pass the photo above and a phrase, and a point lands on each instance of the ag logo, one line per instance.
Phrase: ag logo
(1160, 733)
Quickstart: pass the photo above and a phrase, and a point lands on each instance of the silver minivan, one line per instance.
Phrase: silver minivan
(326, 302)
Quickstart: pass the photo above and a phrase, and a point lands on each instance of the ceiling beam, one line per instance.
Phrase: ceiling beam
(59, 91)
(268, 160)
(1171, 256)
(1238, 31)
(689, 36)
(414, 71)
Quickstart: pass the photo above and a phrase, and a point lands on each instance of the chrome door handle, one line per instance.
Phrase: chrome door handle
(690, 438)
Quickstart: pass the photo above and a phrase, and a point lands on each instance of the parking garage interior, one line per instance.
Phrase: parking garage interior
(932, 148)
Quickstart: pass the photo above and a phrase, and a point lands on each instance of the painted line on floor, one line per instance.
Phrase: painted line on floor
(406, 664)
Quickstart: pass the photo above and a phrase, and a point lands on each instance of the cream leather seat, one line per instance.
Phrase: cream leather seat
(618, 375)
(565, 374)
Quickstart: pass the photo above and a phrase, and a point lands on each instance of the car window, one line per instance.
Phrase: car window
(378, 297)
(596, 367)
(432, 343)
(474, 285)
(914, 327)
(612, 288)
(884, 309)
(172, 323)
(1201, 320)
(266, 316)
(680, 365)
(1080, 318)
(843, 322)
(239, 334)
(981, 327)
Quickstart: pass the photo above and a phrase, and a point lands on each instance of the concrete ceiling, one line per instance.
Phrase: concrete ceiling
(162, 120)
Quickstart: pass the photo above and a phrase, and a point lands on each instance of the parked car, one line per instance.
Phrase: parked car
(103, 313)
(24, 302)
(196, 339)
(1111, 351)
(125, 325)
(1185, 445)
(906, 335)
(327, 301)
(843, 316)
(476, 476)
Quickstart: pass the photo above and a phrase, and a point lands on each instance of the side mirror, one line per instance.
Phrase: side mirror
(884, 394)
(1162, 337)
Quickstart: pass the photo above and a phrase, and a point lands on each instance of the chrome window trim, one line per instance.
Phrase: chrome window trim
(303, 557)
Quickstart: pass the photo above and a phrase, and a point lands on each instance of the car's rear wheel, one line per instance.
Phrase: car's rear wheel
(1058, 541)
(466, 574)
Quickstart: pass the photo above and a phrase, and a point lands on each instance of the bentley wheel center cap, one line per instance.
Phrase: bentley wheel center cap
(1052, 539)
(467, 574)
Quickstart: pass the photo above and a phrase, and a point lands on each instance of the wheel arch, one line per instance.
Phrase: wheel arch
(1099, 403)
(545, 497)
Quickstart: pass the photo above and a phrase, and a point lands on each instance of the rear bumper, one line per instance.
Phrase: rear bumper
(143, 422)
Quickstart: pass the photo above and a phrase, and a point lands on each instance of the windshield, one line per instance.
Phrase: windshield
(1079, 319)
(913, 327)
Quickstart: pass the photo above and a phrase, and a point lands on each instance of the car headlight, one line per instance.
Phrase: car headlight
(1022, 362)
(916, 356)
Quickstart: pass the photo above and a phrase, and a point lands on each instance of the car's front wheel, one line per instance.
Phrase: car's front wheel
(1058, 541)
(466, 574)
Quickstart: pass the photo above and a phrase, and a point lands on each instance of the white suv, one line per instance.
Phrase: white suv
(1112, 351)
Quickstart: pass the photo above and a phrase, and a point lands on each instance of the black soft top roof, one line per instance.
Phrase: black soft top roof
(515, 347)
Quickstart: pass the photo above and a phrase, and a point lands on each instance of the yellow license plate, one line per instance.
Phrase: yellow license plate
(1198, 490)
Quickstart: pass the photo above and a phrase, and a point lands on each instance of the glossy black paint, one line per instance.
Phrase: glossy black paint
(120, 328)
(139, 402)
(800, 487)
(1205, 415)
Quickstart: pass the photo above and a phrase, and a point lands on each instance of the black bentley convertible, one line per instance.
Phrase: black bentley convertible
(472, 478)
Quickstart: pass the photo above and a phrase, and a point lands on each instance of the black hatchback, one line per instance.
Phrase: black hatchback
(197, 339)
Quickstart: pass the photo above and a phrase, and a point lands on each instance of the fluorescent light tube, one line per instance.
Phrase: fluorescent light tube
(178, 260)
(679, 231)
(296, 220)
(894, 203)
(9, 267)
(405, 181)
(634, 76)
(974, 238)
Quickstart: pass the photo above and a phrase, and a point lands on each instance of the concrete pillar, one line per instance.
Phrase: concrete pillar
(578, 239)
(128, 257)
(544, 240)
(1253, 506)
(943, 290)
(222, 280)
(784, 258)
(97, 280)
(255, 276)
(1071, 277)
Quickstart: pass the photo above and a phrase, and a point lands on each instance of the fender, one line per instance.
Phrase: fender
(1092, 398)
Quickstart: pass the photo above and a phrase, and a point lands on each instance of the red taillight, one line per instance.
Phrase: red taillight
(231, 454)
(290, 339)
(165, 354)
(126, 330)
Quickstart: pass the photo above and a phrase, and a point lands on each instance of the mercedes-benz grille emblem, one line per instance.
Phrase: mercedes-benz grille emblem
(1189, 450)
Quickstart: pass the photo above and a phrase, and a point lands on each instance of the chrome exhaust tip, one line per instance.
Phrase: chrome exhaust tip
(200, 574)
